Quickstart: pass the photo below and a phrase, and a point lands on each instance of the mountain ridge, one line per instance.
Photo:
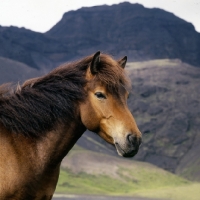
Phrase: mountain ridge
(121, 29)
(142, 32)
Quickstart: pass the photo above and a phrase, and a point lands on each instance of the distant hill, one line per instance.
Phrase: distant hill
(133, 175)
(124, 29)
(14, 71)
(166, 103)
(91, 173)
(31, 48)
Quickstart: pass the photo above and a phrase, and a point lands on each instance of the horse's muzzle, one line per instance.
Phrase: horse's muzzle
(131, 146)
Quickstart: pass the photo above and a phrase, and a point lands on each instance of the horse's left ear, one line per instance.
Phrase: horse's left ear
(95, 64)
(123, 61)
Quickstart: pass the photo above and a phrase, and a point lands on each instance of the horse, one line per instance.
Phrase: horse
(42, 119)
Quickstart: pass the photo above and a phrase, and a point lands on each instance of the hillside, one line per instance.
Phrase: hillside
(87, 172)
(31, 48)
(14, 71)
(167, 111)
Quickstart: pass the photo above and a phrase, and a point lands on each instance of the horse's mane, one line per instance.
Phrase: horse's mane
(38, 104)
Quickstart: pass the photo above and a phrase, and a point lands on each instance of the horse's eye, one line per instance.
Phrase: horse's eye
(100, 95)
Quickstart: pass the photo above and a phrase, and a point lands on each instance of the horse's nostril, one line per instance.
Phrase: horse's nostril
(134, 140)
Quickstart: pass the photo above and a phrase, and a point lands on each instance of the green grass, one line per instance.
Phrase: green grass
(133, 181)
(83, 183)
(142, 183)
(184, 192)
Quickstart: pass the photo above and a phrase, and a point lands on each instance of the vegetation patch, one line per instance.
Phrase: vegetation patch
(183, 192)
(133, 181)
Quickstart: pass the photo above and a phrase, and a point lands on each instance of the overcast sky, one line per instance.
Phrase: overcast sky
(41, 15)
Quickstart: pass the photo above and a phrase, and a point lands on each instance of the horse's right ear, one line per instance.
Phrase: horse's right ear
(95, 64)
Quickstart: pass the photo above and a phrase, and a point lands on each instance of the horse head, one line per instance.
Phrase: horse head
(105, 109)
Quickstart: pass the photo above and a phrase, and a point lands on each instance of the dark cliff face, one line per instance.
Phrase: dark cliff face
(123, 29)
(129, 29)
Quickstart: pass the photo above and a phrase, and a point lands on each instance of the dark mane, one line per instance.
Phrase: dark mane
(38, 104)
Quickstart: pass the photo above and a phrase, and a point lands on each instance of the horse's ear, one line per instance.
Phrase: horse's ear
(95, 64)
(123, 61)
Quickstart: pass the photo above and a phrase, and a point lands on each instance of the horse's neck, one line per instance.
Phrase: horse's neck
(57, 143)
(49, 149)
(38, 158)
(53, 148)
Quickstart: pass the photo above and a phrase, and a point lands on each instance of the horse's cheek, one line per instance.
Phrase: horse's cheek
(89, 117)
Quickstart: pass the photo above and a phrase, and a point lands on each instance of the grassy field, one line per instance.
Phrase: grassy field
(138, 179)
(184, 192)
(152, 185)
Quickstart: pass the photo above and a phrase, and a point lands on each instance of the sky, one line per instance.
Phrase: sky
(41, 15)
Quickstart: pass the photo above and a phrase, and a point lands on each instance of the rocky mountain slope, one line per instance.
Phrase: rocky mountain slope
(167, 110)
(129, 29)
(123, 29)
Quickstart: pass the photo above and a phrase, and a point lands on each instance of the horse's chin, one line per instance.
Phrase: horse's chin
(125, 152)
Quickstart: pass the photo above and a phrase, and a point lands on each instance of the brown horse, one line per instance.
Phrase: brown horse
(41, 120)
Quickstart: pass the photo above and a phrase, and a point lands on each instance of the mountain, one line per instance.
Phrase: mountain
(31, 48)
(129, 29)
(124, 29)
